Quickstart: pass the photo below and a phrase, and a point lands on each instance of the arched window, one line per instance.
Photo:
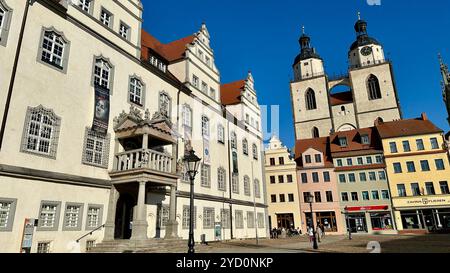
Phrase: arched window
(233, 140)
(315, 132)
(164, 104)
(373, 87)
(136, 91)
(235, 183)
(187, 116)
(102, 73)
(221, 179)
(247, 185)
(220, 133)
(257, 188)
(310, 100)
(205, 126)
(245, 146)
(342, 108)
(255, 151)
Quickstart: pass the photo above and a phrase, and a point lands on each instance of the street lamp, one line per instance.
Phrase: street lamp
(310, 200)
(191, 162)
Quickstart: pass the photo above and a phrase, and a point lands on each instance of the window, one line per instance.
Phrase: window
(239, 219)
(124, 31)
(195, 81)
(365, 139)
(208, 61)
(272, 161)
(272, 179)
(349, 162)
(406, 146)
(187, 216)
(397, 168)
(372, 176)
(102, 73)
(304, 178)
(385, 195)
(204, 88)
(351, 178)
(221, 178)
(290, 178)
(424, 165)
(315, 177)
(415, 189)
(315, 132)
(439, 164)
(393, 147)
(381, 175)
(362, 177)
(255, 151)
(310, 100)
(444, 187)
(401, 190)
(247, 185)
(90, 244)
(250, 219)
(373, 87)
(5, 18)
(220, 134)
(329, 196)
(85, 5)
(375, 195)
(43, 247)
(94, 216)
(360, 161)
(235, 183)
(344, 197)
(281, 179)
(420, 146)
(7, 213)
(206, 176)
(53, 50)
(257, 188)
(430, 188)
(318, 158)
(434, 143)
(308, 159)
(317, 197)
(282, 198)
(245, 149)
(205, 126)
(339, 162)
(106, 18)
(41, 132)
(212, 93)
(96, 149)
(365, 196)
(343, 141)
(49, 216)
(369, 160)
(163, 216)
(326, 176)
(273, 198)
(305, 197)
(208, 218)
(411, 167)
(291, 197)
(233, 140)
(187, 116)
(379, 159)
(260, 220)
(73, 216)
(225, 218)
(355, 196)
(342, 178)
(136, 91)
(281, 160)
(165, 104)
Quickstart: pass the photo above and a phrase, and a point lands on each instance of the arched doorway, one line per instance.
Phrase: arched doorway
(124, 216)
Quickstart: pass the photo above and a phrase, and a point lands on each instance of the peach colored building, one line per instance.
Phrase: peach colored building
(315, 175)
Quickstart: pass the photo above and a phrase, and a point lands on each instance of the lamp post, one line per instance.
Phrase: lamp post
(310, 200)
(192, 164)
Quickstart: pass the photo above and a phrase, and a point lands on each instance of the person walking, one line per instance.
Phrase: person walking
(319, 233)
(311, 235)
(322, 227)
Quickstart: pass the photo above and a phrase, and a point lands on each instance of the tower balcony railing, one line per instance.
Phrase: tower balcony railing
(369, 63)
(311, 75)
(143, 159)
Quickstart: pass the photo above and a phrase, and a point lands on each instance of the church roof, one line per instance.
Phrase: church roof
(341, 98)
(230, 93)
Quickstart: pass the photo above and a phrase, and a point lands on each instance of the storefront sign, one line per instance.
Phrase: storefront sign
(422, 201)
(27, 239)
(101, 110)
(368, 208)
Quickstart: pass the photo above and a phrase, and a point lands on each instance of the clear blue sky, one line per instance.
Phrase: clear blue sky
(262, 35)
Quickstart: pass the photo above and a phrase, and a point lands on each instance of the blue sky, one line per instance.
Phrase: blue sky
(262, 35)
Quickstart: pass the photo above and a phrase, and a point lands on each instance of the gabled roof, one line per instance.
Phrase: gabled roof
(407, 127)
(319, 144)
(341, 98)
(172, 51)
(230, 93)
(354, 142)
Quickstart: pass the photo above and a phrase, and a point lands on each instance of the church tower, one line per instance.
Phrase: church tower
(445, 85)
(372, 80)
(309, 93)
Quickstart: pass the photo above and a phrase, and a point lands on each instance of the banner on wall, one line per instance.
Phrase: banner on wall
(206, 154)
(101, 110)
(187, 138)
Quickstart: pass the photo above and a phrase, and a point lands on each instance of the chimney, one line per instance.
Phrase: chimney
(424, 116)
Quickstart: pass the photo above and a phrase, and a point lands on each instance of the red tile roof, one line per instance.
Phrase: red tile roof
(407, 127)
(320, 144)
(230, 93)
(171, 52)
(341, 98)
(354, 143)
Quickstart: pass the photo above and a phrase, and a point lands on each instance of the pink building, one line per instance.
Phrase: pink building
(315, 175)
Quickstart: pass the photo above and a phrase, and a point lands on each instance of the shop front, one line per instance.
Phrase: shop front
(369, 219)
(326, 219)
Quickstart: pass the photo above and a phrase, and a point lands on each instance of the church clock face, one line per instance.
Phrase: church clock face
(366, 51)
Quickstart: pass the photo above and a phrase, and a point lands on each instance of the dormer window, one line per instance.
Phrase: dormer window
(365, 139)
(343, 142)
(158, 63)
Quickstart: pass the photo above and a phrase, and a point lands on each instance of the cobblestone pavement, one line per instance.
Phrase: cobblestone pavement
(337, 244)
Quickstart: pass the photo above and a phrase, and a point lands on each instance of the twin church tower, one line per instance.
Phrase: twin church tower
(371, 92)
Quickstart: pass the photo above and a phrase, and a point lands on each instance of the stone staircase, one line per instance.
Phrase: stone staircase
(145, 246)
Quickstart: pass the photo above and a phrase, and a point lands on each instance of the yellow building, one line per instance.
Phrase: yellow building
(282, 187)
(419, 173)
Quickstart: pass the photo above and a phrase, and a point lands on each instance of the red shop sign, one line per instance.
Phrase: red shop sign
(366, 208)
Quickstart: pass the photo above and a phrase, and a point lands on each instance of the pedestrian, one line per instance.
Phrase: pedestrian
(311, 234)
(319, 233)
(322, 227)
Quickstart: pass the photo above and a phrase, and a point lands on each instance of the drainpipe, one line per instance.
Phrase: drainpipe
(14, 71)
(230, 172)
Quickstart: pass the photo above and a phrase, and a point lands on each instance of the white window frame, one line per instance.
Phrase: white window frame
(235, 183)
(165, 104)
(124, 31)
(261, 217)
(221, 179)
(95, 148)
(108, 20)
(186, 217)
(239, 216)
(205, 126)
(163, 215)
(43, 247)
(205, 176)
(255, 151)
(92, 224)
(5, 22)
(102, 66)
(136, 91)
(257, 188)
(204, 88)
(187, 116)
(250, 219)
(54, 49)
(7, 213)
(195, 81)
(221, 134)
(73, 218)
(86, 5)
(233, 140)
(44, 215)
(245, 146)
(208, 218)
(225, 218)
(247, 189)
